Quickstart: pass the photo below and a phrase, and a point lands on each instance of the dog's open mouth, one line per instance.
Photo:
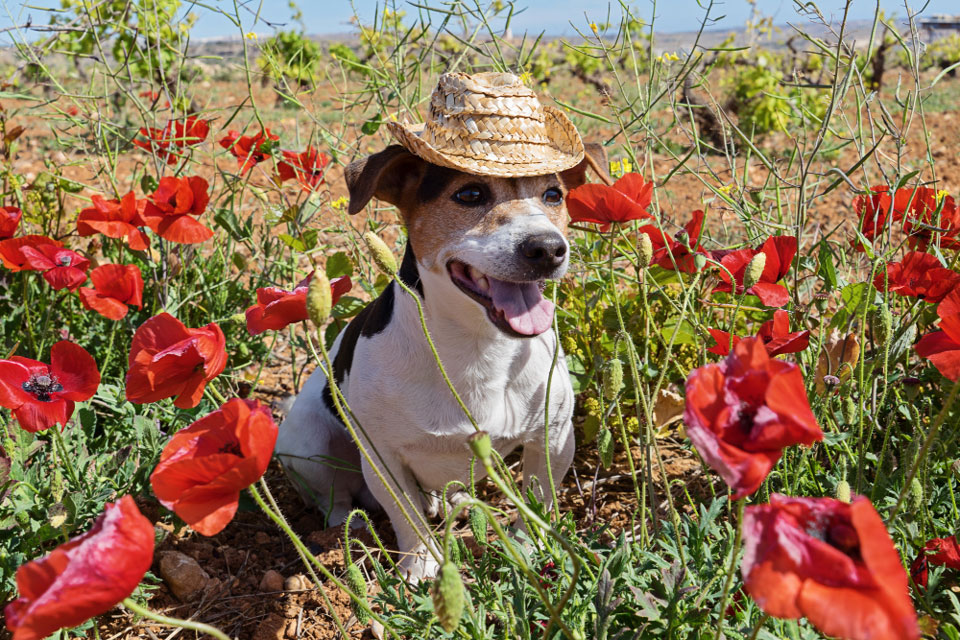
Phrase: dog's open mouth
(516, 308)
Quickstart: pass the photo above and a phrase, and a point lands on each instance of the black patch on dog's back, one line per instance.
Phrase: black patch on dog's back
(370, 321)
(435, 180)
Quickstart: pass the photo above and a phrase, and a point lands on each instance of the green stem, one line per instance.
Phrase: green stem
(71, 471)
(174, 622)
(732, 567)
(922, 454)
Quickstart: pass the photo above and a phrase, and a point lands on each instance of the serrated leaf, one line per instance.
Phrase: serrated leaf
(339, 264)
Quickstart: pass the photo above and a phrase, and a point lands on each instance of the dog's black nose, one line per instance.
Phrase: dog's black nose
(544, 251)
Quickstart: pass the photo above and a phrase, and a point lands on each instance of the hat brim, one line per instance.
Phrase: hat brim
(565, 150)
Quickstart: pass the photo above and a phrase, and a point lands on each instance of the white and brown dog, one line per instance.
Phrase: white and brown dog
(480, 248)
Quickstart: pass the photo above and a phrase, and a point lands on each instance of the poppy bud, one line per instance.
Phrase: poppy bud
(886, 323)
(916, 495)
(480, 445)
(358, 586)
(849, 410)
(448, 597)
(478, 524)
(319, 298)
(612, 379)
(382, 255)
(453, 553)
(699, 261)
(645, 250)
(605, 447)
(843, 491)
(754, 270)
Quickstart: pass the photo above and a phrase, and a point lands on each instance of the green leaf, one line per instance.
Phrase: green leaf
(347, 307)
(294, 243)
(148, 184)
(339, 264)
(371, 126)
(686, 334)
(827, 270)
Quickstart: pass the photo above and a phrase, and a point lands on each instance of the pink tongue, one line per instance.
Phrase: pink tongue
(525, 310)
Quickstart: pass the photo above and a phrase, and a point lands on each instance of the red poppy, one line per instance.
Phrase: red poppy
(152, 96)
(249, 150)
(114, 287)
(774, 333)
(831, 562)
(85, 577)
(41, 395)
(169, 209)
(307, 167)
(779, 251)
(742, 412)
(918, 275)
(61, 267)
(939, 552)
(11, 250)
(873, 209)
(277, 308)
(175, 135)
(205, 466)
(680, 251)
(115, 219)
(626, 199)
(942, 347)
(918, 207)
(9, 221)
(168, 359)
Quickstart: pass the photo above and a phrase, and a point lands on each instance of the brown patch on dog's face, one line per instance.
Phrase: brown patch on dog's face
(452, 206)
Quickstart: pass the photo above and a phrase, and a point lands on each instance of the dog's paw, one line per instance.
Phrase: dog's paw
(418, 565)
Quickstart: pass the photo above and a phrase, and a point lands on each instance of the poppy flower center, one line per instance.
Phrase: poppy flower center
(843, 537)
(41, 386)
(746, 413)
(231, 447)
(64, 261)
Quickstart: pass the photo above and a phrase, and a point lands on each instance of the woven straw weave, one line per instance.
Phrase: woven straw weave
(491, 124)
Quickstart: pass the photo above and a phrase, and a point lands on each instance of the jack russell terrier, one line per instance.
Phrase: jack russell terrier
(481, 191)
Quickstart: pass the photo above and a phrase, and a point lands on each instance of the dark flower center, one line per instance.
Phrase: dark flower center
(64, 261)
(41, 386)
(844, 537)
(746, 413)
(231, 447)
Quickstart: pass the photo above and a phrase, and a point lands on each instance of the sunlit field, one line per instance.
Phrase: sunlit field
(760, 318)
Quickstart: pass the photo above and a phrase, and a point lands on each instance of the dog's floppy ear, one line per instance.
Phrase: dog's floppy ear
(386, 175)
(594, 157)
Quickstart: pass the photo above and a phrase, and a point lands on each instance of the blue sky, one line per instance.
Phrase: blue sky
(552, 16)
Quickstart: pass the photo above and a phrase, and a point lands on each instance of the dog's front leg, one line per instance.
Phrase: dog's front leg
(419, 560)
(535, 468)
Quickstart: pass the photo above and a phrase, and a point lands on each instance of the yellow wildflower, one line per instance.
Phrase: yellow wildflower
(594, 27)
(340, 203)
(250, 35)
(941, 194)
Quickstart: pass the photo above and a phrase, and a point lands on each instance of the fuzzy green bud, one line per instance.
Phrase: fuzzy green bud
(319, 298)
(754, 270)
(645, 250)
(886, 323)
(849, 410)
(448, 597)
(699, 261)
(843, 491)
(605, 447)
(916, 495)
(381, 253)
(612, 379)
(480, 445)
(478, 524)
(453, 553)
(358, 586)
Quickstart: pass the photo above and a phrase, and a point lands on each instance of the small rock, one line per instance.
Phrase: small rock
(297, 583)
(185, 577)
(272, 581)
(261, 537)
(292, 629)
(272, 628)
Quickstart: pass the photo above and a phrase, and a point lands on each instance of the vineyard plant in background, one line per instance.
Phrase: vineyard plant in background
(761, 320)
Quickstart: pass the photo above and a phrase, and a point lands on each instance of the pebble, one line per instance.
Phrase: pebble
(185, 577)
(271, 581)
(297, 583)
(271, 628)
(261, 537)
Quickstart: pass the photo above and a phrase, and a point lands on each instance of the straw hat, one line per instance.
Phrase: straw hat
(490, 124)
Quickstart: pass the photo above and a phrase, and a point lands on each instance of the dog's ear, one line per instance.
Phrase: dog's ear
(594, 157)
(386, 175)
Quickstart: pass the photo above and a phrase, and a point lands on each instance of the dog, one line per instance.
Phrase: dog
(479, 251)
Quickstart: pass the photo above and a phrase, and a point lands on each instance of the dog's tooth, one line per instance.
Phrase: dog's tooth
(475, 274)
(482, 283)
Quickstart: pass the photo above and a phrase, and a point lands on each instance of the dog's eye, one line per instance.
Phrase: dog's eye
(471, 196)
(553, 196)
